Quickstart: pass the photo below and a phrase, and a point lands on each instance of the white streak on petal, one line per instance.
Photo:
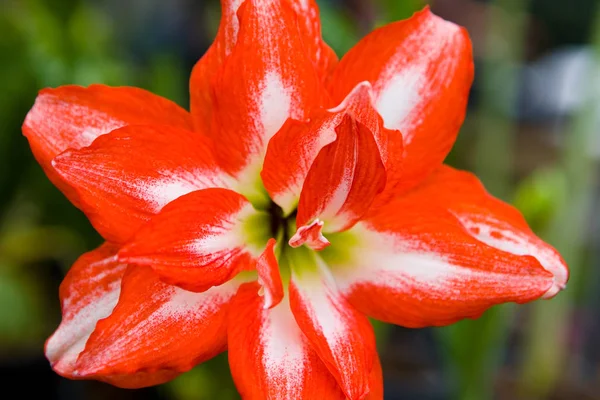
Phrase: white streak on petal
(63, 126)
(403, 264)
(177, 306)
(213, 245)
(172, 185)
(503, 236)
(70, 338)
(77, 330)
(233, 26)
(284, 351)
(400, 96)
(411, 77)
(227, 235)
(275, 104)
(327, 312)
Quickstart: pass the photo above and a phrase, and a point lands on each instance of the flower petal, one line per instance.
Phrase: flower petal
(343, 180)
(490, 220)
(293, 151)
(290, 155)
(156, 329)
(415, 265)
(421, 70)
(309, 21)
(127, 176)
(269, 276)
(205, 70)
(88, 293)
(200, 240)
(319, 53)
(376, 381)
(342, 337)
(73, 116)
(266, 79)
(269, 356)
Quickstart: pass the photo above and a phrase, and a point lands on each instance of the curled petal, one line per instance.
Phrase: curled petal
(488, 219)
(200, 240)
(155, 332)
(354, 133)
(415, 266)
(269, 356)
(88, 294)
(269, 276)
(125, 177)
(267, 78)
(421, 70)
(71, 117)
(290, 154)
(343, 180)
(342, 337)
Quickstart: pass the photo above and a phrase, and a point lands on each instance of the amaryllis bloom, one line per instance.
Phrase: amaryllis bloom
(300, 196)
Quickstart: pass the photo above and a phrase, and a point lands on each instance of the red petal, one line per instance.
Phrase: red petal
(269, 356)
(266, 79)
(415, 265)
(342, 337)
(322, 56)
(73, 116)
(127, 176)
(199, 240)
(421, 70)
(290, 154)
(343, 180)
(269, 276)
(490, 220)
(205, 70)
(88, 293)
(293, 151)
(156, 331)
(376, 381)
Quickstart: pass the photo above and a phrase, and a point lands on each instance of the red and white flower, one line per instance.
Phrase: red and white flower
(299, 196)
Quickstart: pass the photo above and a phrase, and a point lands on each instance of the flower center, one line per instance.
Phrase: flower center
(279, 223)
(283, 227)
(271, 221)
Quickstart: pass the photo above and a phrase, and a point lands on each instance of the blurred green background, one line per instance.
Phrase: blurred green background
(532, 134)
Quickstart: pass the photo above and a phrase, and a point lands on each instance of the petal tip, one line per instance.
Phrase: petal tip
(555, 289)
(359, 95)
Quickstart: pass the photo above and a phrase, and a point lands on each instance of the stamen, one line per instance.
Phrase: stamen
(310, 235)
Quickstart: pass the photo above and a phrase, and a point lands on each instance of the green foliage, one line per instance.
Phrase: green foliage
(339, 31)
(394, 10)
(472, 351)
(540, 196)
(24, 311)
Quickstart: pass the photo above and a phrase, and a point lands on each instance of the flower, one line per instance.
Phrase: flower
(299, 196)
